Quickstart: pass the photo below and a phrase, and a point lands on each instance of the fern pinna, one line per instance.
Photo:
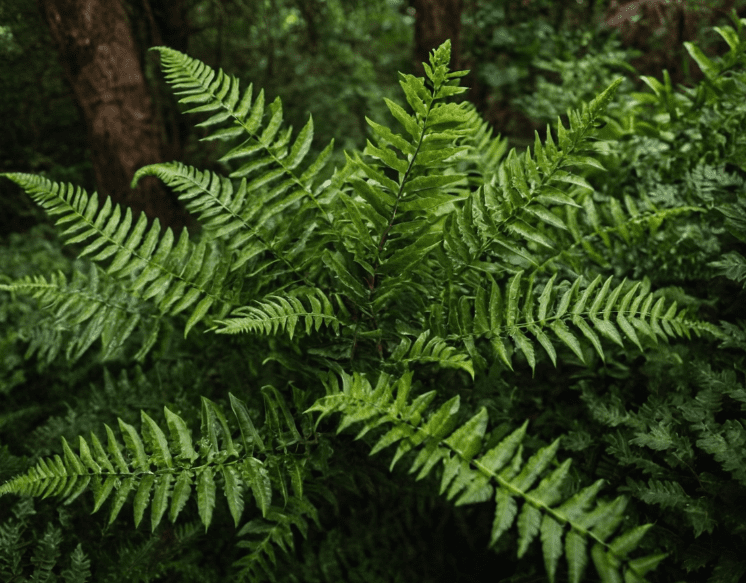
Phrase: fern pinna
(171, 469)
(426, 250)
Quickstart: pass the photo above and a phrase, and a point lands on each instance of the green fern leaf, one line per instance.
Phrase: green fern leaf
(577, 555)
(277, 313)
(181, 493)
(157, 469)
(538, 513)
(551, 540)
(633, 312)
(205, 495)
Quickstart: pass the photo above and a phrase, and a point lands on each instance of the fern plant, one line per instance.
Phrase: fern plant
(427, 260)
(14, 543)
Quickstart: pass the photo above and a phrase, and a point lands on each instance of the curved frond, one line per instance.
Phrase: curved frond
(276, 313)
(527, 492)
(270, 179)
(515, 207)
(630, 225)
(433, 350)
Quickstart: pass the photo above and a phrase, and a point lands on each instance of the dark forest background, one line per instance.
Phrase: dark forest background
(83, 101)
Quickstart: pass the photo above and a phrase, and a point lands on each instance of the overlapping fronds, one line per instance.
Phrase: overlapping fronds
(173, 471)
(564, 526)
(22, 553)
(433, 349)
(273, 530)
(421, 250)
(509, 312)
(220, 92)
(175, 276)
(630, 224)
(515, 207)
(562, 235)
(271, 181)
(421, 161)
(484, 151)
(89, 308)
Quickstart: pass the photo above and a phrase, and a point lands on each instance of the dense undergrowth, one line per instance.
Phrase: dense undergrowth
(551, 341)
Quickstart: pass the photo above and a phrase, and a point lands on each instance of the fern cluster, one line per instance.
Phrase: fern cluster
(431, 263)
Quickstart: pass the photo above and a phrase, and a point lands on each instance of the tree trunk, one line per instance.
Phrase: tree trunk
(101, 64)
(158, 23)
(435, 22)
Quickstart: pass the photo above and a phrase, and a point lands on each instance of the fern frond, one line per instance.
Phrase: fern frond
(725, 442)
(433, 350)
(664, 493)
(615, 313)
(176, 276)
(732, 265)
(484, 152)
(90, 307)
(80, 567)
(219, 92)
(419, 160)
(630, 225)
(270, 532)
(538, 510)
(15, 545)
(515, 207)
(152, 464)
(277, 313)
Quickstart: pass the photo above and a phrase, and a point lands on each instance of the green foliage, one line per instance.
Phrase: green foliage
(170, 470)
(583, 69)
(503, 465)
(41, 560)
(427, 260)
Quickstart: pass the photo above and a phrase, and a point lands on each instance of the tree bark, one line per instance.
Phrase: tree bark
(435, 22)
(163, 23)
(100, 60)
